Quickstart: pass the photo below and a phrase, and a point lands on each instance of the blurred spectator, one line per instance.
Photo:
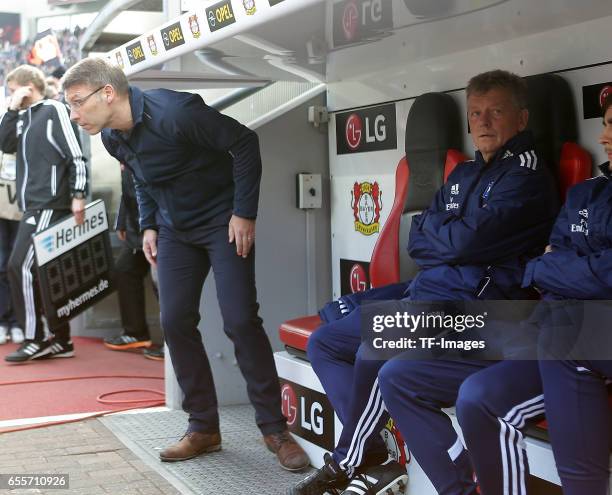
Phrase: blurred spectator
(12, 56)
(53, 89)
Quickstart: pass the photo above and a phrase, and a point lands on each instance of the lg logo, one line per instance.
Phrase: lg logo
(367, 129)
(373, 132)
(353, 19)
(359, 278)
(289, 404)
(604, 93)
(311, 416)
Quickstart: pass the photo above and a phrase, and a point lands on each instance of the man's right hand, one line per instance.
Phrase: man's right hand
(149, 245)
(18, 96)
(122, 235)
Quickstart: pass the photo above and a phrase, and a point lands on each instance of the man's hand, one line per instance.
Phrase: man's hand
(78, 210)
(149, 245)
(121, 235)
(242, 230)
(18, 96)
(549, 249)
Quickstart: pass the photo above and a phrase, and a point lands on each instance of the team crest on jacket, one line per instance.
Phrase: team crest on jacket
(454, 191)
(366, 204)
(194, 26)
(583, 226)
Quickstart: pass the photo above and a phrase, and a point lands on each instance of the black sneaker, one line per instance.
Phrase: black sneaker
(389, 478)
(126, 342)
(28, 350)
(327, 479)
(155, 353)
(59, 349)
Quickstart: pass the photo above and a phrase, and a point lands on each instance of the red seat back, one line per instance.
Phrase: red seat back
(433, 132)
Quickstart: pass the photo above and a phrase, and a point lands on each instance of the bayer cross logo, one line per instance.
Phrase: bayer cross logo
(47, 243)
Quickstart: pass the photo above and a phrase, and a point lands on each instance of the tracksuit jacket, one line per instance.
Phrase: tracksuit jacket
(580, 265)
(187, 160)
(50, 164)
(484, 225)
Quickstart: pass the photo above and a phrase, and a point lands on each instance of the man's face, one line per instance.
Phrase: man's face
(494, 119)
(606, 136)
(88, 108)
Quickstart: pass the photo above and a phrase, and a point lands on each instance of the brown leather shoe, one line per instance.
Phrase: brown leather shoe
(290, 455)
(191, 445)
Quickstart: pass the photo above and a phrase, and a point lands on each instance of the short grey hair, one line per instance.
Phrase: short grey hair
(96, 72)
(485, 82)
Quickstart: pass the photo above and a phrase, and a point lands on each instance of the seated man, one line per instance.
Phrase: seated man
(491, 216)
(576, 265)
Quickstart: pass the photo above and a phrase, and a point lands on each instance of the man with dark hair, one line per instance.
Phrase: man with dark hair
(494, 404)
(51, 182)
(197, 176)
(492, 214)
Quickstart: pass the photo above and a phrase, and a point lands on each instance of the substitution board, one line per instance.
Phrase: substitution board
(74, 264)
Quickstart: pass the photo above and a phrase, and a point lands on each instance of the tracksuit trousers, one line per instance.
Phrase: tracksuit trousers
(22, 277)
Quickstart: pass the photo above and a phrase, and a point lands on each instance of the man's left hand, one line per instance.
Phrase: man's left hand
(242, 230)
(78, 210)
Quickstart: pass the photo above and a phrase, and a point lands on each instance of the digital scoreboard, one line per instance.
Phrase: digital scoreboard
(74, 264)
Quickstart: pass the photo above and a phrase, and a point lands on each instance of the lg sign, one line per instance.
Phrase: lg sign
(371, 129)
(356, 20)
(309, 414)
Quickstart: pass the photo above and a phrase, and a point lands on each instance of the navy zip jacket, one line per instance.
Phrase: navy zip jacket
(580, 265)
(190, 163)
(483, 226)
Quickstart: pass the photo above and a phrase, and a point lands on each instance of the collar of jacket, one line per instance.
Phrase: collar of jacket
(523, 141)
(136, 104)
(33, 106)
(605, 169)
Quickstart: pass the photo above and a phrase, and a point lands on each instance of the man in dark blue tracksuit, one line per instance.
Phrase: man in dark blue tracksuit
(494, 404)
(197, 176)
(483, 225)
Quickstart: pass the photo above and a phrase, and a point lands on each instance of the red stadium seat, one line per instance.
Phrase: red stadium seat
(433, 132)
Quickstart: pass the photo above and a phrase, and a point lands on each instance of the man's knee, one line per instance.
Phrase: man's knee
(473, 393)
(394, 379)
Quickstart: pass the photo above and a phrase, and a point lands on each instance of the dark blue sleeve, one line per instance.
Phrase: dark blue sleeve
(147, 207)
(570, 275)
(420, 248)
(559, 238)
(516, 218)
(198, 124)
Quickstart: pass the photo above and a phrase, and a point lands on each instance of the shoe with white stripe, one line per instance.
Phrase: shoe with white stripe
(30, 349)
(59, 349)
(389, 478)
(328, 479)
(3, 334)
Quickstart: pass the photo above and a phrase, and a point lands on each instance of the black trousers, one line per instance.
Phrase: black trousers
(184, 260)
(131, 268)
(22, 277)
(8, 233)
